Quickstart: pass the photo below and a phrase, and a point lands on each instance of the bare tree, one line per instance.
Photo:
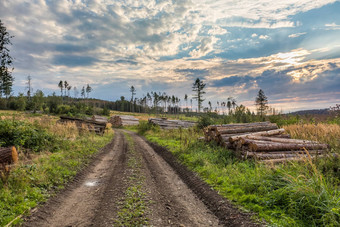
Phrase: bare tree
(29, 87)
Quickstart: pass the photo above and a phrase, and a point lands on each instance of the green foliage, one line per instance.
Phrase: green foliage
(134, 207)
(204, 121)
(22, 134)
(106, 112)
(261, 103)
(198, 88)
(144, 126)
(6, 78)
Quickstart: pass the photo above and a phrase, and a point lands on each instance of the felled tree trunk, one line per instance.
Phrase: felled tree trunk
(8, 155)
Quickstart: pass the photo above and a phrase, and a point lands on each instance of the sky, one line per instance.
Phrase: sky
(290, 49)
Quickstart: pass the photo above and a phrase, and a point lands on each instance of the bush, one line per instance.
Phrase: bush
(144, 126)
(22, 134)
(106, 112)
(204, 121)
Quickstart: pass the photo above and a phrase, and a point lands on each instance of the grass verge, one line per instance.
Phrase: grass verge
(40, 174)
(294, 194)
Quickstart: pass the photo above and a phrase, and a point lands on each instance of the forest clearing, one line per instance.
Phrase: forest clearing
(170, 113)
(58, 174)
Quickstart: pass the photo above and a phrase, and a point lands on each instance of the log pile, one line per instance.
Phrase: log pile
(123, 120)
(164, 123)
(92, 125)
(98, 118)
(263, 141)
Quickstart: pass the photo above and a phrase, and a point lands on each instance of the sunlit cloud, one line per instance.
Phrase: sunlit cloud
(296, 35)
(333, 26)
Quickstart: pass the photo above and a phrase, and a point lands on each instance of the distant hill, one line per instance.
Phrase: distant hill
(311, 112)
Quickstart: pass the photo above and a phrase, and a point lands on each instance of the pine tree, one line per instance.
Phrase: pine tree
(261, 103)
(83, 92)
(6, 78)
(88, 90)
(61, 86)
(198, 87)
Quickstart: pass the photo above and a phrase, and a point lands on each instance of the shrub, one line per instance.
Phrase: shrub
(144, 126)
(204, 121)
(22, 134)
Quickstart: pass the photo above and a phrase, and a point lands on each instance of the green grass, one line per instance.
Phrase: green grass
(133, 208)
(32, 182)
(296, 194)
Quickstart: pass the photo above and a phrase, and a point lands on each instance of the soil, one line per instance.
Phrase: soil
(174, 195)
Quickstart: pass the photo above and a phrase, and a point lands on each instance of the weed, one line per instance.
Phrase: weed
(134, 207)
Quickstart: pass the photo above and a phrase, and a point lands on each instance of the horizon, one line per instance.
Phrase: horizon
(290, 50)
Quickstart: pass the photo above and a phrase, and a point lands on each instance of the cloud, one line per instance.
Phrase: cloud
(73, 60)
(333, 26)
(216, 30)
(170, 43)
(206, 46)
(297, 35)
(263, 37)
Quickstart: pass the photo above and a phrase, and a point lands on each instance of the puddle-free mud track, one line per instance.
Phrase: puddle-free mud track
(133, 182)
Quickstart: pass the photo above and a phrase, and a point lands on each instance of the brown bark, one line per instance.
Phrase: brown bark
(267, 155)
(281, 140)
(171, 124)
(246, 129)
(282, 160)
(263, 133)
(287, 136)
(123, 120)
(239, 125)
(273, 146)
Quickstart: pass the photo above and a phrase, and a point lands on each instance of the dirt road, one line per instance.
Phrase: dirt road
(131, 183)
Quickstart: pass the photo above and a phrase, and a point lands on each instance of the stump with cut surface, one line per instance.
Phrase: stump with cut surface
(8, 156)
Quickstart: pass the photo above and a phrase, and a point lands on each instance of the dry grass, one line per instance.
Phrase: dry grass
(325, 133)
(67, 130)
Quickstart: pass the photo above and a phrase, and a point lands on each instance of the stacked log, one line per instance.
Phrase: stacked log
(93, 126)
(263, 141)
(164, 123)
(123, 120)
(98, 118)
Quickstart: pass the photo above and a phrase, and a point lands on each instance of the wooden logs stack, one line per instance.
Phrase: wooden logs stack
(171, 124)
(263, 141)
(92, 125)
(98, 118)
(123, 120)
